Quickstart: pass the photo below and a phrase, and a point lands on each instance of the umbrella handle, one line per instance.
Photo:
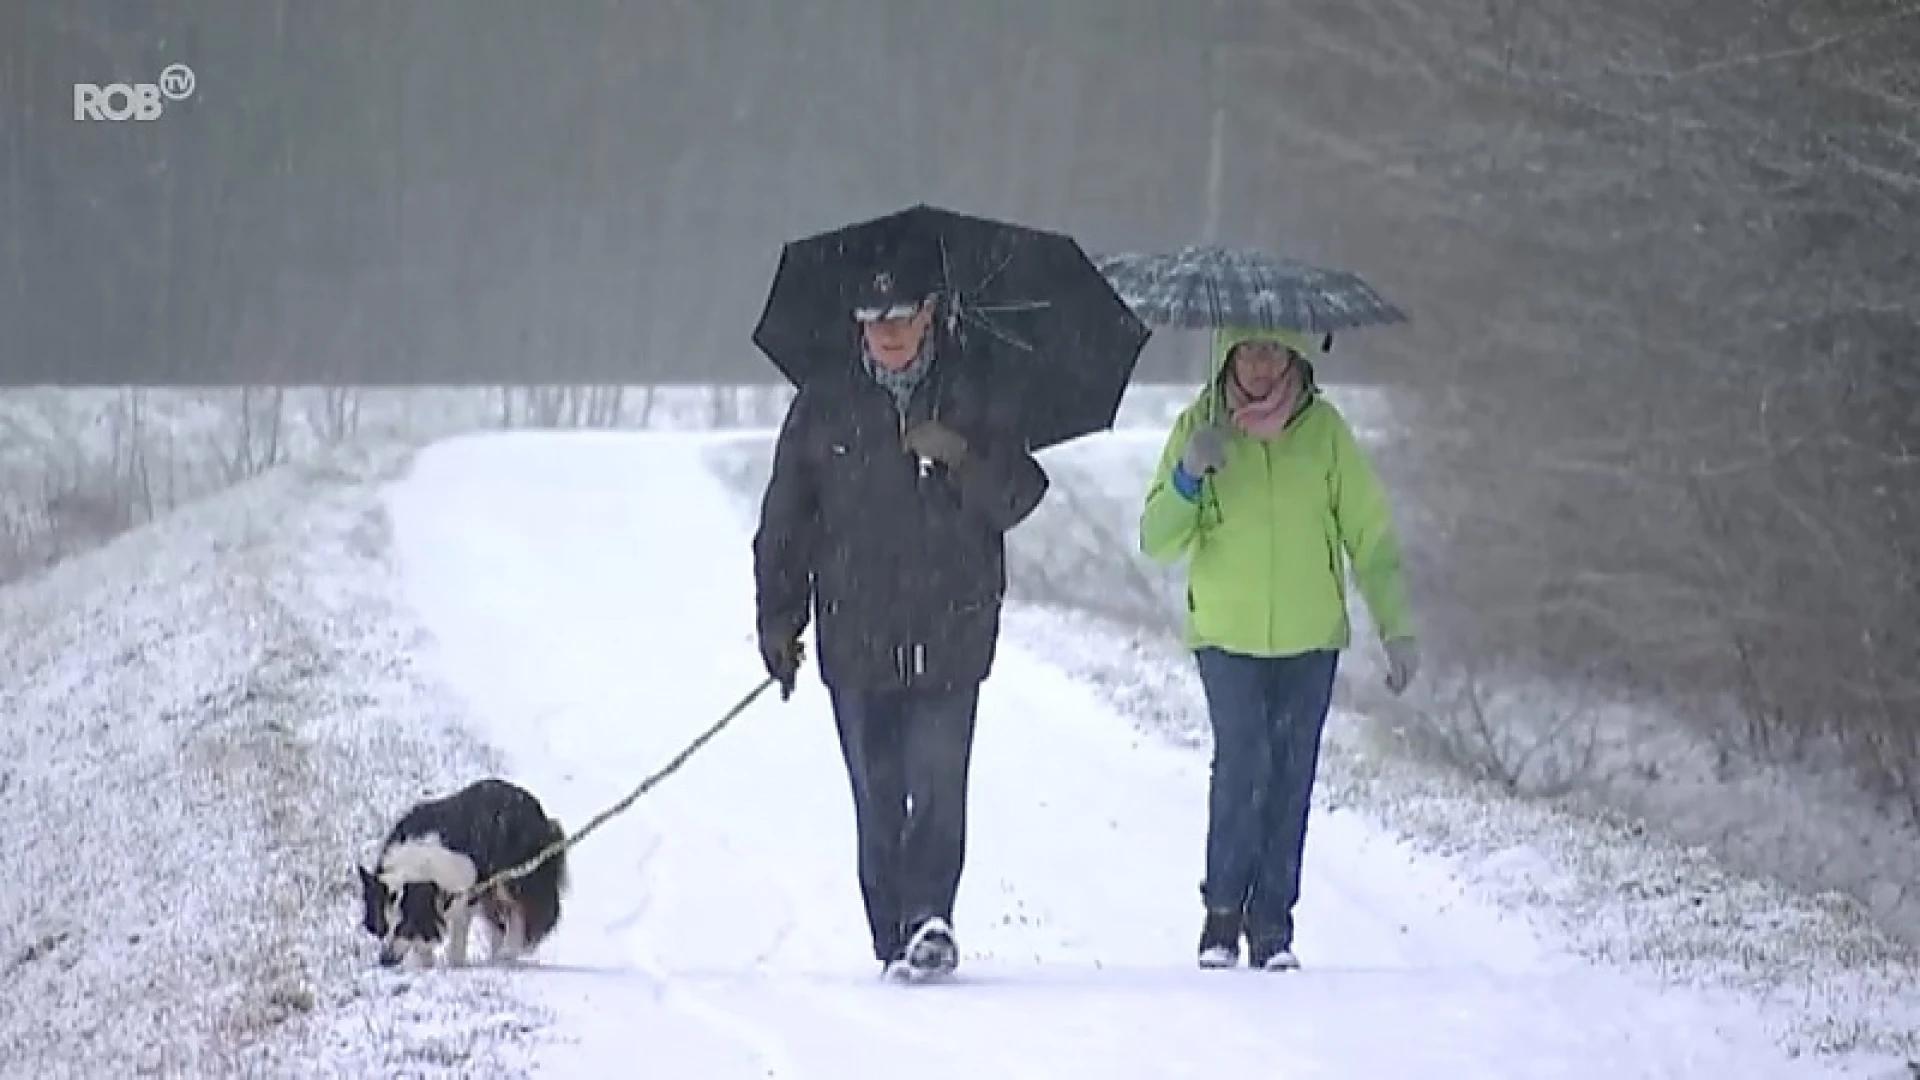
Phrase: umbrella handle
(950, 310)
(1209, 513)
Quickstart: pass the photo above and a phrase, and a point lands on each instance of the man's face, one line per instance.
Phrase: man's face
(894, 336)
(1259, 365)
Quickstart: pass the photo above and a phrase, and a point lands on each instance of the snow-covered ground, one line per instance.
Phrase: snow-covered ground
(590, 594)
(201, 724)
(1631, 863)
(207, 721)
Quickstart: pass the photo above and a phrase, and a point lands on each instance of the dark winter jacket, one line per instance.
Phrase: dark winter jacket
(902, 570)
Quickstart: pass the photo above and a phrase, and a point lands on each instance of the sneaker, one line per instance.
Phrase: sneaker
(931, 952)
(895, 968)
(1271, 956)
(1220, 940)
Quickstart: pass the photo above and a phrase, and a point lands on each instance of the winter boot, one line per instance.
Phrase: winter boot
(1220, 940)
(931, 952)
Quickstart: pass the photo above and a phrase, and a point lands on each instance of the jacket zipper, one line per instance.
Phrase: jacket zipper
(907, 671)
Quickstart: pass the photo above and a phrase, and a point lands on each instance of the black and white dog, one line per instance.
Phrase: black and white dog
(412, 898)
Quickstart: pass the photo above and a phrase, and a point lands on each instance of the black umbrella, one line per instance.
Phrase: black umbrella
(1204, 287)
(1024, 306)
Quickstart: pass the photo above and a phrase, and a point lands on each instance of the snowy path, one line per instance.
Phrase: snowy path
(592, 593)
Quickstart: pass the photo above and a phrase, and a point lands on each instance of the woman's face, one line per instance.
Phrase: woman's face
(1258, 366)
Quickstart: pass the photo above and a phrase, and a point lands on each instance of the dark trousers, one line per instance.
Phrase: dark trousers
(907, 754)
(1267, 715)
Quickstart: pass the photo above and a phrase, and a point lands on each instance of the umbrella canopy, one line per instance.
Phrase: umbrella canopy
(1208, 287)
(1025, 307)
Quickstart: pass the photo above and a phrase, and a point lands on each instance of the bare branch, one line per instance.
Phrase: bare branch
(1729, 63)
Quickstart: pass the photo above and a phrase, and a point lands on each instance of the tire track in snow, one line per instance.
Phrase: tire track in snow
(630, 918)
(767, 1046)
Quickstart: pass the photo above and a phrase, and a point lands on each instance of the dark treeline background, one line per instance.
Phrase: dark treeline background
(1663, 258)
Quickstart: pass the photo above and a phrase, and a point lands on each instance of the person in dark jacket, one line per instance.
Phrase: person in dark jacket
(894, 484)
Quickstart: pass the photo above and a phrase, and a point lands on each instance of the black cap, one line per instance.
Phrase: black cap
(895, 281)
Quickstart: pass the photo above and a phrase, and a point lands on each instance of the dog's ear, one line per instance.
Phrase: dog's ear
(373, 902)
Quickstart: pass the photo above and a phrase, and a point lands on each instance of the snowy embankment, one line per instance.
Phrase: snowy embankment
(591, 594)
(201, 725)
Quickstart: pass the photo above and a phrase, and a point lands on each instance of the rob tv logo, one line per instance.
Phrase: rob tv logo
(132, 101)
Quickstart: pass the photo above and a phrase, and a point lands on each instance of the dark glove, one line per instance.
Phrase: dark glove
(1205, 452)
(938, 442)
(780, 651)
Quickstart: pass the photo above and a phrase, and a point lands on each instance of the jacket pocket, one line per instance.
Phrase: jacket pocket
(1221, 604)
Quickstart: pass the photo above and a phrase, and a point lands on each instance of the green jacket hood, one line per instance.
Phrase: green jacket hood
(1225, 339)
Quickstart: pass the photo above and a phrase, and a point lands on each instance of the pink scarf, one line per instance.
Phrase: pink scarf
(1263, 417)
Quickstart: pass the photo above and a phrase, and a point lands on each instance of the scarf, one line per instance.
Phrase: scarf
(1263, 417)
(901, 384)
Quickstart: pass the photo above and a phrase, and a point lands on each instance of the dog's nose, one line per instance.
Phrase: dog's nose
(389, 958)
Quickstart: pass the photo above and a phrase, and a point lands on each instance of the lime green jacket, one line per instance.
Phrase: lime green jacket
(1269, 537)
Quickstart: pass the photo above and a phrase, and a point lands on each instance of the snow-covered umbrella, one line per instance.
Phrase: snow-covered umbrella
(1206, 287)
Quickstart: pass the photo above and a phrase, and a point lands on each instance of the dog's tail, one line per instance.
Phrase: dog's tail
(539, 892)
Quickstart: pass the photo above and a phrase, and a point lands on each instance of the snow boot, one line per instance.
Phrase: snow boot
(1220, 939)
(931, 952)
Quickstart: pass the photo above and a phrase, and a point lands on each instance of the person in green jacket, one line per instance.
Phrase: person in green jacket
(1264, 489)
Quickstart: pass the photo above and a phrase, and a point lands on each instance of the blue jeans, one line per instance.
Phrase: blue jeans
(1267, 715)
(907, 753)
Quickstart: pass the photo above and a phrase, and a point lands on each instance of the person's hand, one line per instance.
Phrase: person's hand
(1403, 663)
(1206, 450)
(780, 651)
(937, 442)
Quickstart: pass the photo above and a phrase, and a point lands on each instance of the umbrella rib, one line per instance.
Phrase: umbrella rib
(987, 279)
(1206, 285)
(967, 315)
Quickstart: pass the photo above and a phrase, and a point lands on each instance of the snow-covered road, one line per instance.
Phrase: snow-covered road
(592, 594)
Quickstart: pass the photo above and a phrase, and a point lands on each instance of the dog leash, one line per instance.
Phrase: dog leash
(515, 873)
